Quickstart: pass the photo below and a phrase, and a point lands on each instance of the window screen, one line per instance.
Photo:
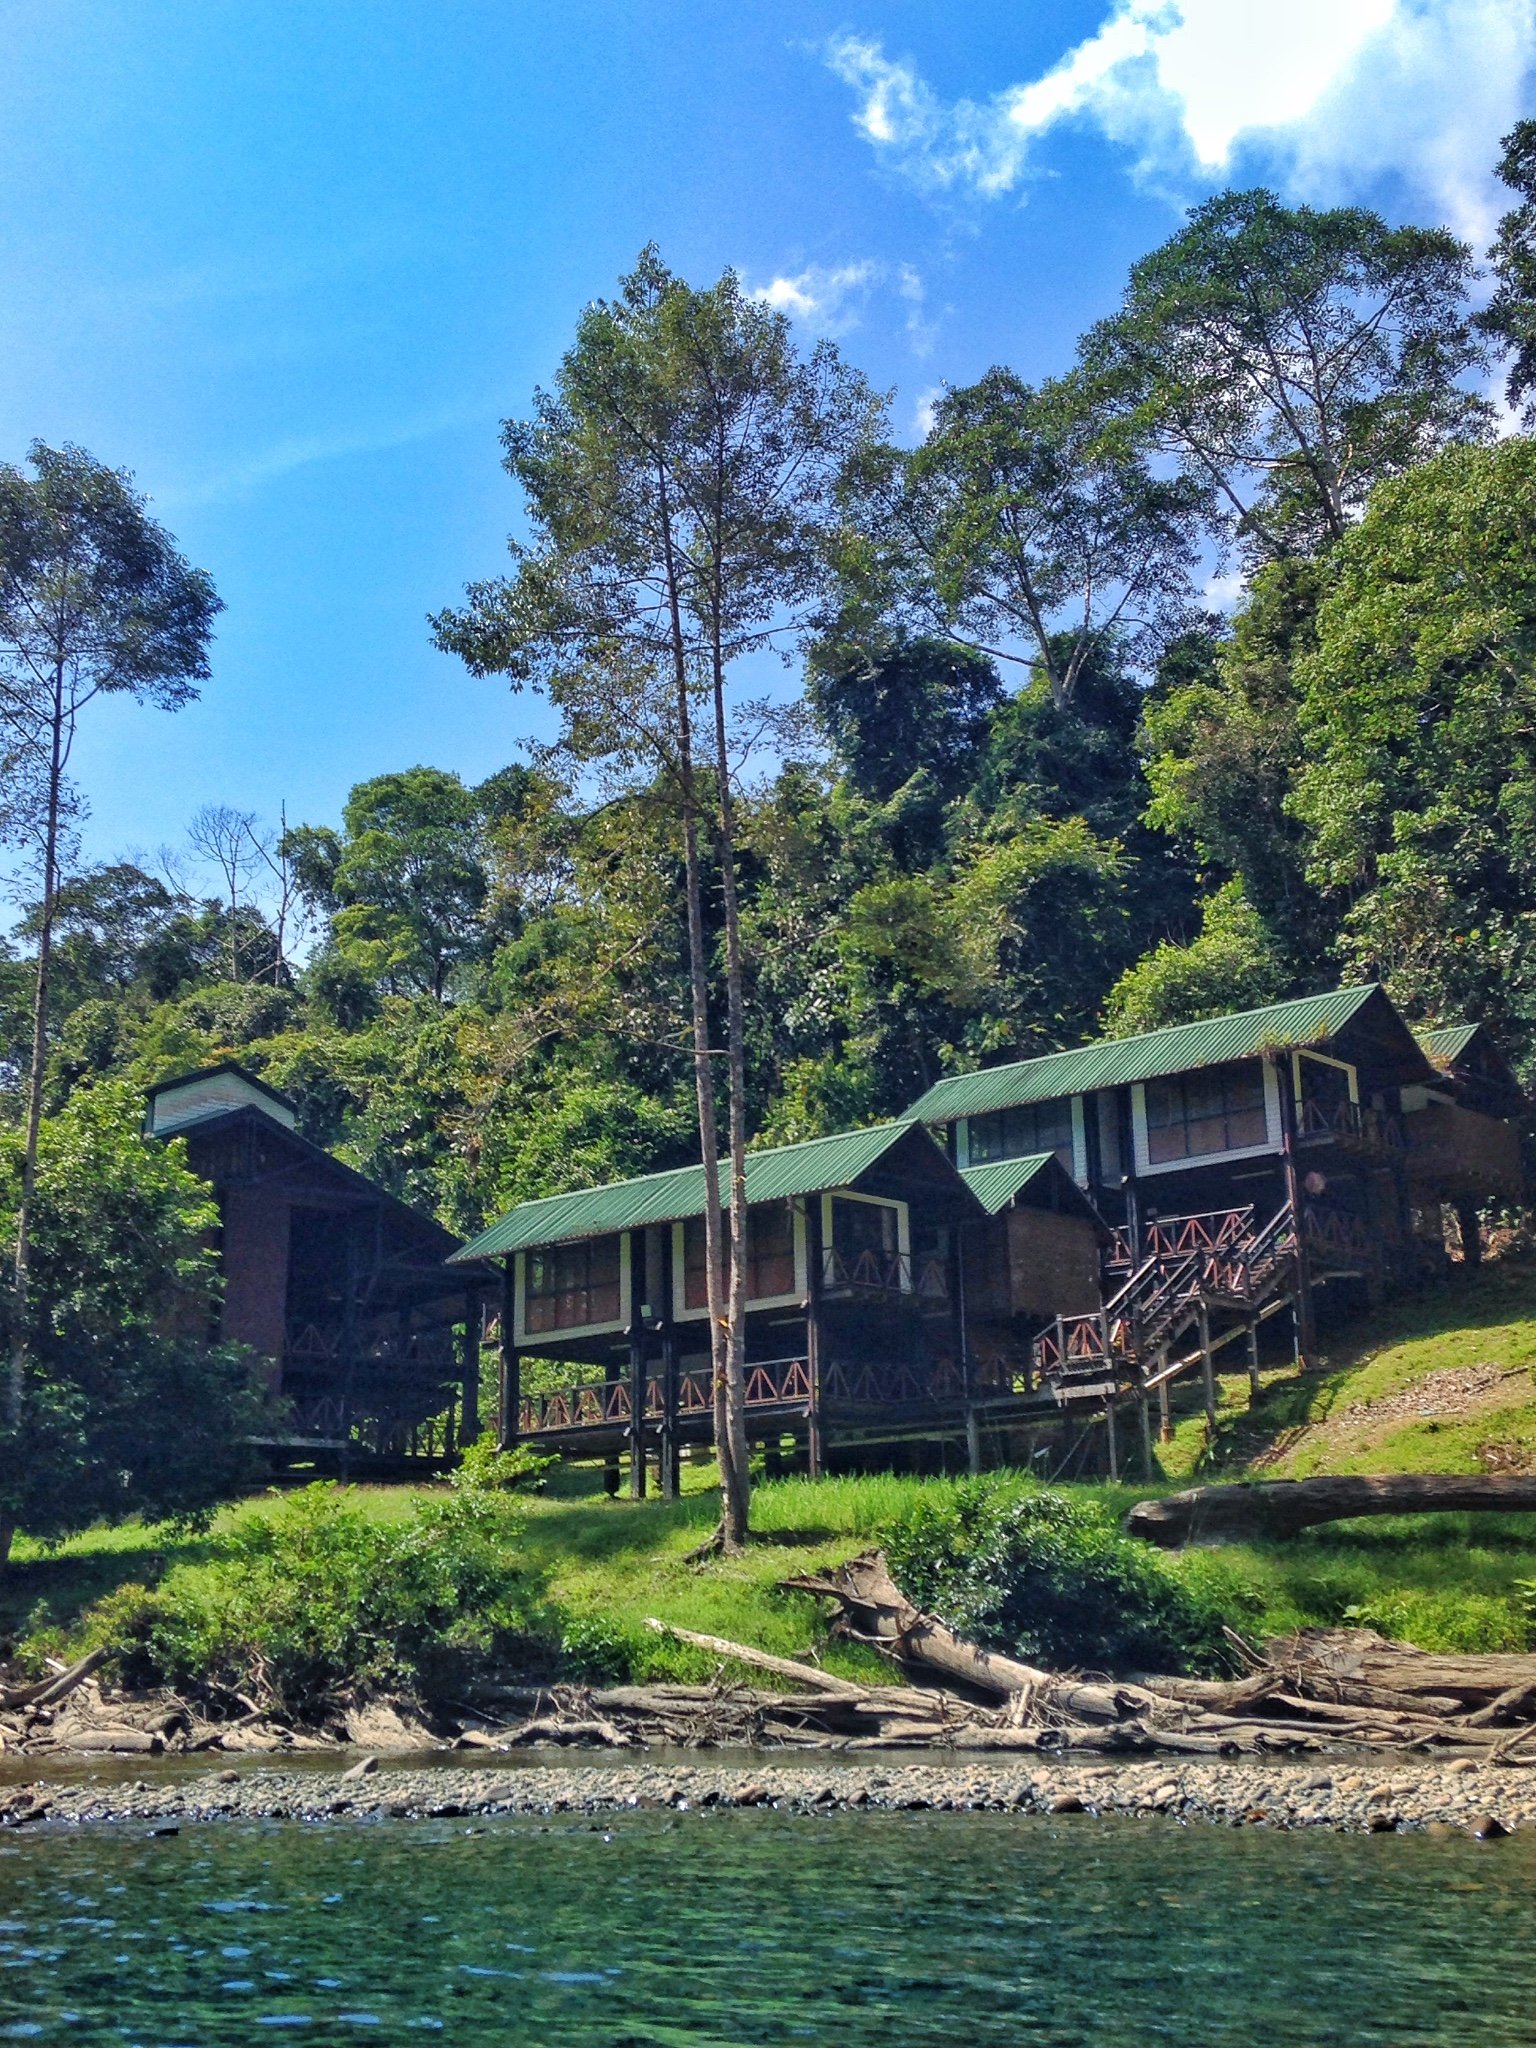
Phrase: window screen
(571, 1286)
(1017, 1133)
(1219, 1109)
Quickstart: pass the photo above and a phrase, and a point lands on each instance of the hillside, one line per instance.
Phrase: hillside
(1440, 1381)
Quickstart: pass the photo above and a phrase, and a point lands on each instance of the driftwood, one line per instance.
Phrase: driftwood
(1284, 1507)
(783, 1667)
(1318, 1685)
(46, 1691)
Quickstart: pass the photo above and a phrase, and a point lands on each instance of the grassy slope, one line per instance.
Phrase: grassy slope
(1450, 1582)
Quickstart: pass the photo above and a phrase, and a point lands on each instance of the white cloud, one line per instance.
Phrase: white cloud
(924, 410)
(829, 298)
(1335, 91)
(833, 298)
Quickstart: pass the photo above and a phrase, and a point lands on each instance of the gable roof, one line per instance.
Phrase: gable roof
(216, 1103)
(1469, 1054)
(776, 1172)
(997, 1183)
(1113, 1062)
(1449, 1041)
(438, 1239)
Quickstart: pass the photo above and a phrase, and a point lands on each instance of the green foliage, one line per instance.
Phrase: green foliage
(1290, 359)
(1509, 318)
(315, 1603)
(1050, 1579)
(126, 1408)
(1234, 964)
(485, 1468)
(1417, 704)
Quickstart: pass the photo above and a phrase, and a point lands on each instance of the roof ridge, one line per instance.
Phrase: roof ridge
(1166, 1030)
(635, 1180)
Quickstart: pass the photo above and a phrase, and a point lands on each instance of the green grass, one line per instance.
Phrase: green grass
(1446, 1582)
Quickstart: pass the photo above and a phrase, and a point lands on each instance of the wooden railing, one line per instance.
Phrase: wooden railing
(608, 1403)
(1172, 1237)
(879, 1272)
(1354, 1125)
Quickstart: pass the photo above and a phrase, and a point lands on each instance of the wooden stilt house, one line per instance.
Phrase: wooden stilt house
(371, 1339)
(1242, 1163)
(860, 1271)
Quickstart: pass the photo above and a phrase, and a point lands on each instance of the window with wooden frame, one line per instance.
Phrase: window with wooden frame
(1018, 1133)
(573, 1286)
(770, 1256)
(1216, 1109)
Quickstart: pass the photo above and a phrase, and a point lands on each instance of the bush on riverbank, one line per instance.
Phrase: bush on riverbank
(1052, 1580)
(314, 1602)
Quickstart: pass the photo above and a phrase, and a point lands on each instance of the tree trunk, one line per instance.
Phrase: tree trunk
(731, 1422)
(698, 981)
(1283, 1507)
(7, 1538)
(20, 1306)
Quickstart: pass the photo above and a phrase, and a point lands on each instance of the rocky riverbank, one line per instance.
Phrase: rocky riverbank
(1465, 1797)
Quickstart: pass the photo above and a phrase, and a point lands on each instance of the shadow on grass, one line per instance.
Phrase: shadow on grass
(66, 1582)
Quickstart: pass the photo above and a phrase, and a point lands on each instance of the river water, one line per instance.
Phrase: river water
(743, 1927)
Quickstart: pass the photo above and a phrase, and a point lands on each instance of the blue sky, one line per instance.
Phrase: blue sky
(290, 263)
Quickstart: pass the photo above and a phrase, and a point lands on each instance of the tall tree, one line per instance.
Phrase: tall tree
(1027, 526)
(678, 481)
(1509, 318)
(95, 600)
(1290, 359)
(1417, 709)
(404, 882)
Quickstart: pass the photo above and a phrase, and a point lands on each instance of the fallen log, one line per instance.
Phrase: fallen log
(876, 1611)
(1344, 1656)
(45, 1691)
(783, 1667)
(1283, 1507)
(118, 1741)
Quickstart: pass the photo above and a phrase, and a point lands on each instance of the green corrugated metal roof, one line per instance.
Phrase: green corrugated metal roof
(773, 1174)
(1112, 1062)
(1448, 1043)
(995, 1184)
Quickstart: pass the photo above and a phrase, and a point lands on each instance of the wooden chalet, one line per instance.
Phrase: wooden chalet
(1241, 1163)
(862, 1261)
(372, 1340)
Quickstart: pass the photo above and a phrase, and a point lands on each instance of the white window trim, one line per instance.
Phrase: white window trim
(1324, 1060)
(683, 1314)
(522, 1335)
(903, 1228)
(1144, 1167)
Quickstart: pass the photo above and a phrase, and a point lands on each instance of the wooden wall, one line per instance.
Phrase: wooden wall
(256, 1270)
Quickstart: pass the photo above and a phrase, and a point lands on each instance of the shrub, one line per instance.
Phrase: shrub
(1052, 1581)
(485, 1468)
(314, 1603)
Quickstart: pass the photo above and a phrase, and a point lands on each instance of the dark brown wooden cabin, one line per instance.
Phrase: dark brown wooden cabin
(859, 1279)
(1243, 1162)
(370, 1337)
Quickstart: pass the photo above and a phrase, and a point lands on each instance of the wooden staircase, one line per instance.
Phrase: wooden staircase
(1218, 1275)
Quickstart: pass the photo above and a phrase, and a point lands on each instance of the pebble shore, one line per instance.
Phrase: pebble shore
(1348, 1796)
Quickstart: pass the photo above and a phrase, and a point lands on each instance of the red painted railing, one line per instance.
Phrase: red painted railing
(609, 1403)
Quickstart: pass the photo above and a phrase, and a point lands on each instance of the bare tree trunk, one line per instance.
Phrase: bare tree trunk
(698, 978)
(731, 1426)
(20, 1305)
